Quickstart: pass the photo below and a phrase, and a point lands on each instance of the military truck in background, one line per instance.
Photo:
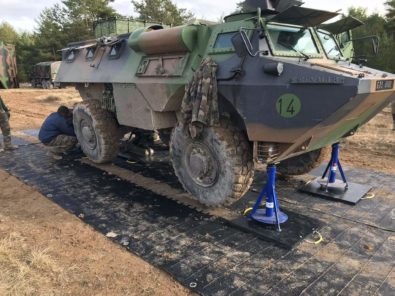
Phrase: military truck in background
(8, 66)
(271, 85)
(118, 25)
(44, 74)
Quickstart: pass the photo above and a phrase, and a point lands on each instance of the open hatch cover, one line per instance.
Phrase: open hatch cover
(301, 16)
(343, 25)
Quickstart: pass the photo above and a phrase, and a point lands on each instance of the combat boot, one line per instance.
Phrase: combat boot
(8, 145)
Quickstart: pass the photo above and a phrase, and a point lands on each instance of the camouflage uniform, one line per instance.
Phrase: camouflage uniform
(393, 115)
(62, 144)
(4, 125)
(200, 102)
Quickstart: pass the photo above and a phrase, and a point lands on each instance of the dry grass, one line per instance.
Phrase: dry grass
(46, 251)
(373, 146)
(23, 269)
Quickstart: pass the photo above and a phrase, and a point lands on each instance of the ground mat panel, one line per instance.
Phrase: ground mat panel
(212, 258)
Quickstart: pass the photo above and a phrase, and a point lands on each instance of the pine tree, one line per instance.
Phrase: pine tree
(161, 11)
(390, 16)
(8, 33)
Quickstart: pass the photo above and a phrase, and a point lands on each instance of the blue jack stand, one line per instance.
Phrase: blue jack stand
(331, 187)
(271, 214)
(331, 183)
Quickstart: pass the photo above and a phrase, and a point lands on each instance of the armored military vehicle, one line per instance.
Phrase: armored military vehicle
(266, 86)
(8, 68)
(44, 74)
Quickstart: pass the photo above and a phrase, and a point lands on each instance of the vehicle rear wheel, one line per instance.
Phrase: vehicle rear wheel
(303, 164)
(97, 131)
(217, 168)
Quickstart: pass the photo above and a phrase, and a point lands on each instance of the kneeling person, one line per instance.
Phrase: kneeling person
(57, 132)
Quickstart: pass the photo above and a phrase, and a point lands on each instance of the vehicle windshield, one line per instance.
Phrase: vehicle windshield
(292, 41)
(330, 45)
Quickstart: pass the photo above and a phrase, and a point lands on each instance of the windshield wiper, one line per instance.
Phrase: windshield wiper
(295, 50)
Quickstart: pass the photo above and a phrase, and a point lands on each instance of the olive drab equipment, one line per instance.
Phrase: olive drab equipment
(44, 74)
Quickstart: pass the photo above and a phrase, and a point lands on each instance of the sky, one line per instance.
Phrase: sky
(22, 14)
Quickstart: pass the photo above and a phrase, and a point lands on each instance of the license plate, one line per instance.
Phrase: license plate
(384, 84)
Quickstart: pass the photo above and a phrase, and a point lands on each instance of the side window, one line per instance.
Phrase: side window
(90, 53)
(224, 40)
(345, 37)
(116, 50)
(71, 55)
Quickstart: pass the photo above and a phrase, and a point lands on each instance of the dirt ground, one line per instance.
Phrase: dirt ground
(373, 146)
(46, 251)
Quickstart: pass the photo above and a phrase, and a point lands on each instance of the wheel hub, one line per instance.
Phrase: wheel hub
(202, 165)
(88, 134)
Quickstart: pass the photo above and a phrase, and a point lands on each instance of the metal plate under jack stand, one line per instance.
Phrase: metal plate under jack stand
(260, 216)
(337, 191)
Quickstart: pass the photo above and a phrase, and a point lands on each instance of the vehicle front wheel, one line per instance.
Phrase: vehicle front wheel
(217, 168)
(97, 131)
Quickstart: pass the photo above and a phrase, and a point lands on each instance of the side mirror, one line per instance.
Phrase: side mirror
(239, 45)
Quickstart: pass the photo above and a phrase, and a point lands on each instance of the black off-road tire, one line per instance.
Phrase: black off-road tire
(100, 139)
(304, 163)
(233, 154)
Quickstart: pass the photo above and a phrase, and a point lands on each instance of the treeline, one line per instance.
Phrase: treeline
(72, 20)
(384, 28)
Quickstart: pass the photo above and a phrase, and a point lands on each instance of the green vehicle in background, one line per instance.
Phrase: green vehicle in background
(44, 74)
(115, 26)
(8, 67)
(272, 85)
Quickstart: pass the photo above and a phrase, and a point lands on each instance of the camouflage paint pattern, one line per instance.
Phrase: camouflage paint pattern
(8, 68)
(150, 68)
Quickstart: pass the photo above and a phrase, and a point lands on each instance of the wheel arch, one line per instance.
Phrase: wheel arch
(227, 109)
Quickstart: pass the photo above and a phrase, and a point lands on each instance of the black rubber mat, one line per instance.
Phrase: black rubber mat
(207, 255)
(292, 232)
(158, 168)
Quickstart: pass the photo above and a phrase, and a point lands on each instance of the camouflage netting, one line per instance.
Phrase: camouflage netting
(200, 102)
